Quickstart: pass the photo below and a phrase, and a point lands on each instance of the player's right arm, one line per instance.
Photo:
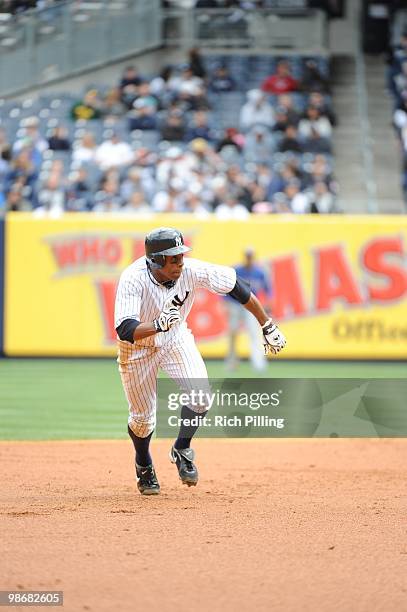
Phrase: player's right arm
(128, 325)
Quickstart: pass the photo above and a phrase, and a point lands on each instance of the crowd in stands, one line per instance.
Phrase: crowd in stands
(14, 7)
(190, 139)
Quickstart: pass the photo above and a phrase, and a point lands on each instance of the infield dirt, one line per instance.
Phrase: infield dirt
(272, 525)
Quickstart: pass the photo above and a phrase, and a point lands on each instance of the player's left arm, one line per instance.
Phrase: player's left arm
(273, 339)
(223, 280)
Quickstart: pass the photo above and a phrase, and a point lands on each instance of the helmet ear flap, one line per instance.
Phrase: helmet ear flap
(156, 261)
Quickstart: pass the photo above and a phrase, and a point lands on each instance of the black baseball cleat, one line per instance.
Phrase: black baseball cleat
(147, 482)
(184, 460)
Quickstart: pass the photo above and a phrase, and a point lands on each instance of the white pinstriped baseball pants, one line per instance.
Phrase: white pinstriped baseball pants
(180, 359)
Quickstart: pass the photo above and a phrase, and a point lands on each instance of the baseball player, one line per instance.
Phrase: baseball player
(154, 297)
(254, 274)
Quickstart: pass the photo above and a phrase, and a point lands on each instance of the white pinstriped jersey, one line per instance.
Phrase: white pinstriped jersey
(140, 297)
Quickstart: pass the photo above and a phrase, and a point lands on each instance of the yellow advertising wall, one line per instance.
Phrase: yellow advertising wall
(340, 283)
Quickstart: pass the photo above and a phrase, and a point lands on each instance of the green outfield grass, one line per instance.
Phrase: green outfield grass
(55, 399)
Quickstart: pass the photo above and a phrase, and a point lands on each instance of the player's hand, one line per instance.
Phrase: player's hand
(273, 339)
(168, 317)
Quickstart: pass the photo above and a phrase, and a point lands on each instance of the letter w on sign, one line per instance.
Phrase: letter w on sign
(177, 301)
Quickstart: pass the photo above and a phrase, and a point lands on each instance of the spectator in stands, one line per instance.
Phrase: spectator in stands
(31, 139)
(400, 80)
(159, 86)
(107, 199)
(259, 145)
(313, 79)
(59, 141)
(23, 172)
(257, 192)
(170, 199)
(16, 202)
(280, 204)
(281, 120)
(316, 143)
(320, 170)
(286, 103)
(262, 173)
(4, 170)
(281, 82)
(136, 204)
(291, 170)
(188, 88)
(137, 181)
(256, 111)
(51, 197)
(238, 185)
(395, 58)
(200, 158)
(5, 146)
(2, 202)
(403, 136)
(290, 141)
(196, 63)
(275, 184)
(200, 128)
(145, 160)
(172, 165)
(128, 86)
(231, 209)
(112, 104)
(143, 116)
(297, 200)
(221, 81)
(113, 153)
(231, 138)
(144, 95)
(400, 115)
(57, 167)
(317, 100)
(85, 151)
(89, 108)
(173, 126)
(399, 52)
(194, 203)
(79, 193)
(321, 199)
(313, 120)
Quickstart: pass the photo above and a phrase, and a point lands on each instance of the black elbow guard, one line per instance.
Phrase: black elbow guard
(241, 291)
(126, 329)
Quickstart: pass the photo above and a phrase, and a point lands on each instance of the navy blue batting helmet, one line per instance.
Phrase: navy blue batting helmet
(161, 242)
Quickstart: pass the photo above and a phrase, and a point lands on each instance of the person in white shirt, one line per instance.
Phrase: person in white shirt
(298, 201)
(114, 153)
(84, 152)
(137, 205)
(256, 111)
(51, 197)
(186, 85)
(231, 209)
(313, 119)
(170, 199)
